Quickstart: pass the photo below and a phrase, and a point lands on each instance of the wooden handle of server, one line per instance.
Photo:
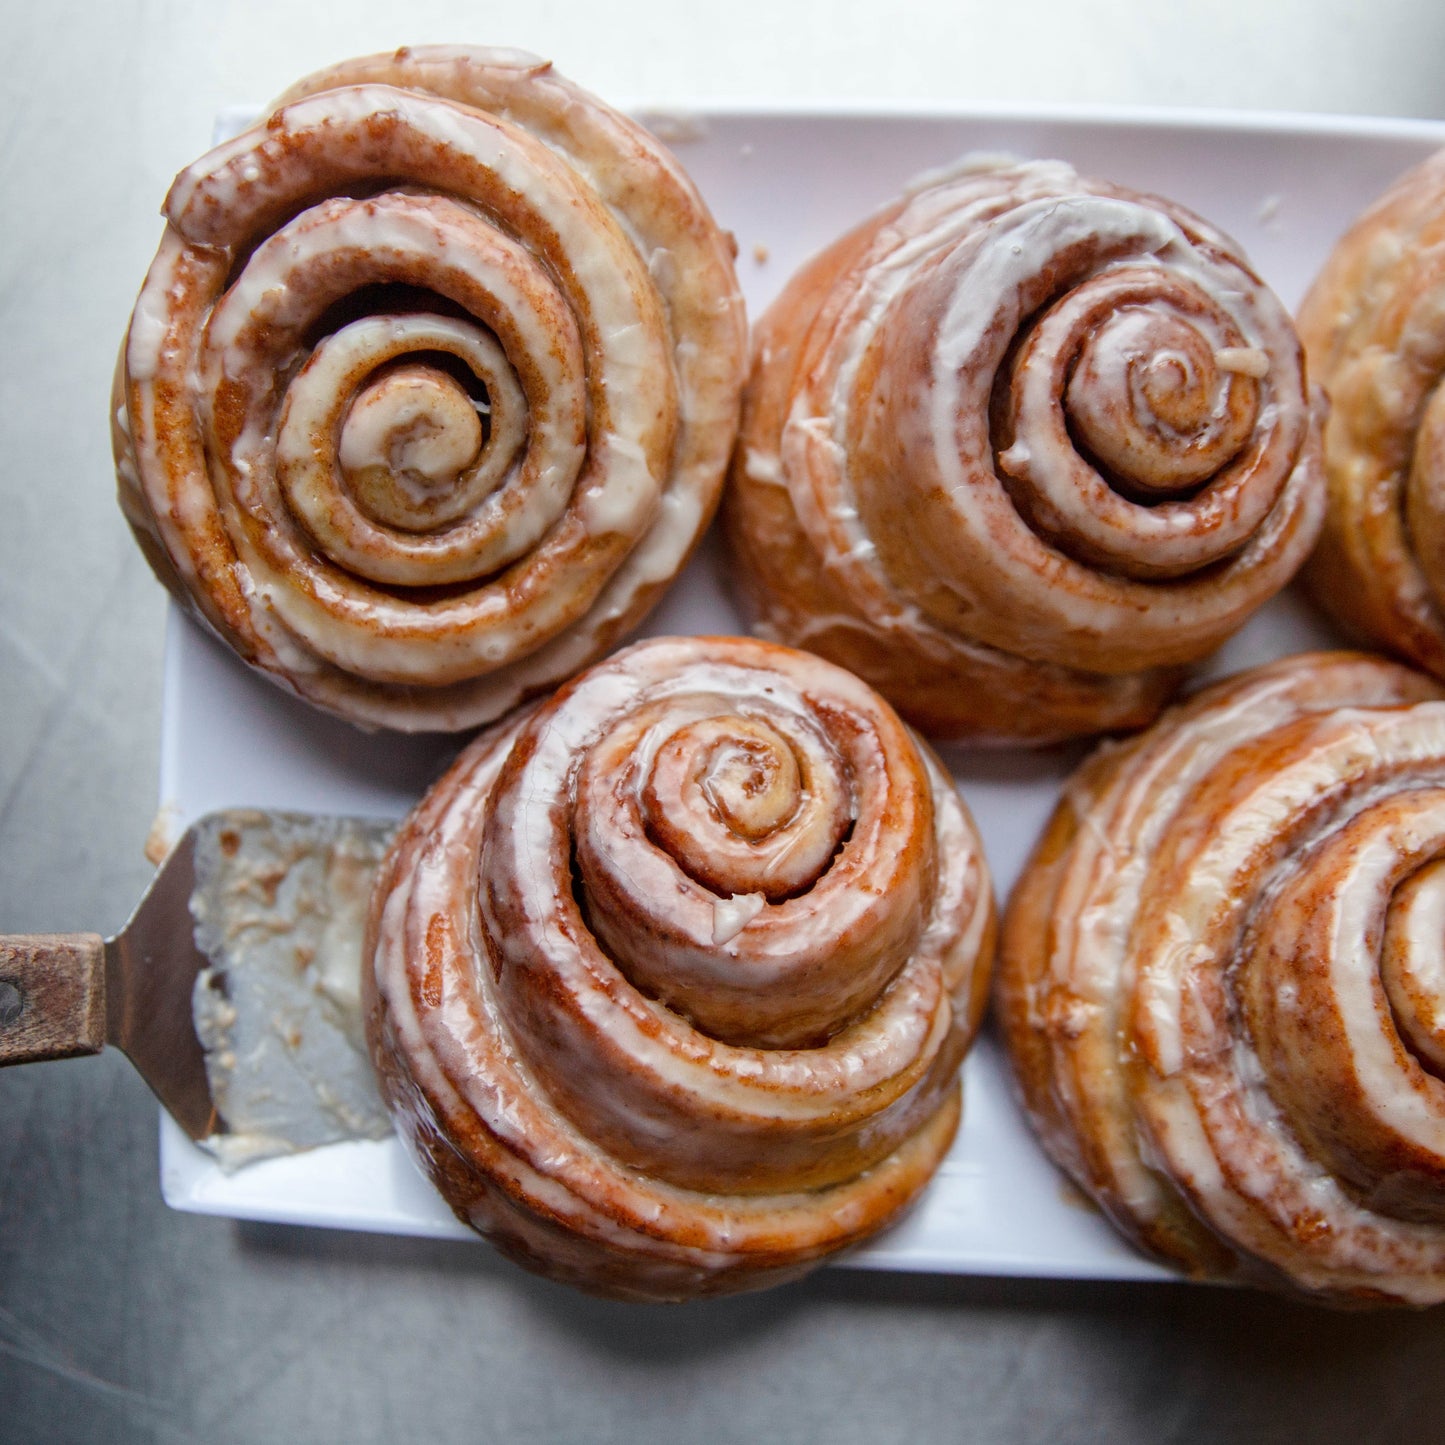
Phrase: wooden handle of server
(52, 996)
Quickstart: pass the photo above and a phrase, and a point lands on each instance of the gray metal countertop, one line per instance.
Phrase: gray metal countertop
(121, 1321)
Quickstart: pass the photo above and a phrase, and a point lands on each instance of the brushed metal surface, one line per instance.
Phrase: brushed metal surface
(121, 1321)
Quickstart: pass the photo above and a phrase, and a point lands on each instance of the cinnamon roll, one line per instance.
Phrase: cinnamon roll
(1222, 981)
(669, 978)
(1020, 447)
(1373, 325)
(431, 387)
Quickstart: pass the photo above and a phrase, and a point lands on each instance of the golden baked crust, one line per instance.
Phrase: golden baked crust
(1220, 981)
(431, 387)
(1019, 447)
(1373, 325)
(669, 978)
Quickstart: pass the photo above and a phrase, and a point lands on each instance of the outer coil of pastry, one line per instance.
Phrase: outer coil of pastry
(431, 387)
(1373, 325)
(669, 978)
(1019, 447)
(1222, 979)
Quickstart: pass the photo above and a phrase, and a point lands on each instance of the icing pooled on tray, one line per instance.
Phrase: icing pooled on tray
(280, 907)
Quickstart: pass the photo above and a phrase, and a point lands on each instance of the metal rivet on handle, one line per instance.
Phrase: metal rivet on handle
(12, 1002)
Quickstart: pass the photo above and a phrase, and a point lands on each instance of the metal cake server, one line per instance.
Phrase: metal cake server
(64, 995)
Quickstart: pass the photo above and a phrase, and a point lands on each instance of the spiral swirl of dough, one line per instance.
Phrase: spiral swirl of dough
(1018, 448)
(1373, 325)
(431, 386)
(669, 978)
(1222, 981)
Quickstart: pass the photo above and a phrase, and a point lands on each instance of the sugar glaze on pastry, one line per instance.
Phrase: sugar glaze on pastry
(1222, 981)
(431, 387)
(1020, 446)
(1373, 324)
(669, 978)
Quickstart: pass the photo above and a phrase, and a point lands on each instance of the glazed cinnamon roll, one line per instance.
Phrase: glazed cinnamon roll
(1373, 325)
(431, 387)
(1018, 448)
(669, 978)
(1222, 981)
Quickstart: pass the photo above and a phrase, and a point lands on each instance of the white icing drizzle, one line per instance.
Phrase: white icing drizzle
(1233, 1064)
(662, 376)
(279, 909)
(450, 532)
(467, 1039)
(987, 554)
(731, 915)
(150, 325)
(1244, 360)
(764, 467)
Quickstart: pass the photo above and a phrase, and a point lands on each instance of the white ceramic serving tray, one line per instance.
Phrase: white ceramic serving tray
(786, 181)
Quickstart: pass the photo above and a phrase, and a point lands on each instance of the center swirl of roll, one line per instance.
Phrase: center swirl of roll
(745, 808)
(409, 435)
(1133, 426)
(381, 455)
(756, 860)
(752, 782)
(1149, 398)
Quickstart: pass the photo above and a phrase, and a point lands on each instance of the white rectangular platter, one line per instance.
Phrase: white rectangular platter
(786, 182)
